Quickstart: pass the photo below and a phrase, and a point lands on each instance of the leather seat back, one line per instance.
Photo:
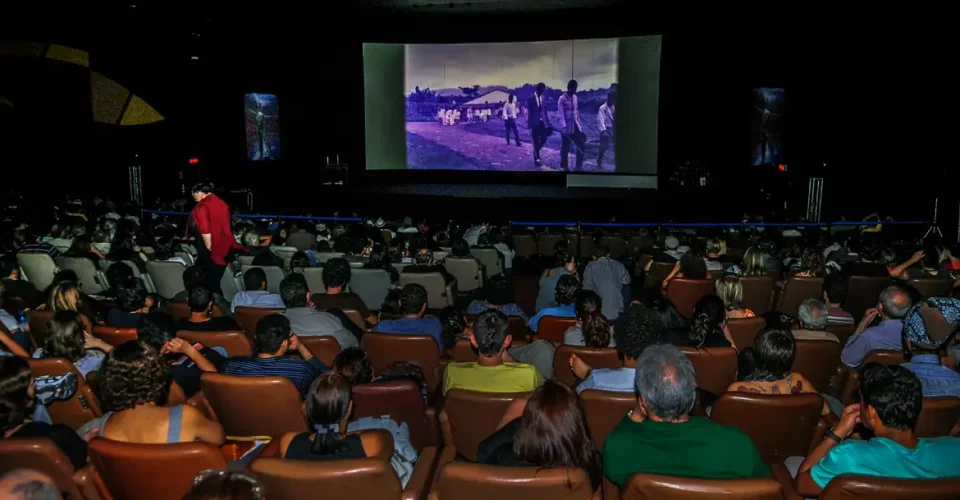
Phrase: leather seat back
(371, 285)
(438, 293)
(40, 455)
(716, 367)
(248, 317)
(651, 486)
(605, 409)
(685, 293)
(491, 260)
(254, 406)
(385, 348)
(92, 280)
(79, 409)
(881, 488)
(236, 343)
(933, 287)
(817, 361)
(744, 330)
(546, 243)
(795, 291)
(38, 268)
(114, 336)
(605, 357)
(780, 425)
(167, 277)
(863, 292)
(552, 328)
(465, 481)
(336, 479)
(757, 293)
(938, 416)
(403, 401)
(525, 245)
(325, 348)
(466, 270)
(469, 417)
(842, 332)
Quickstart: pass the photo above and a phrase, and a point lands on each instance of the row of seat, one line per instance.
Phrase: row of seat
(528, 245)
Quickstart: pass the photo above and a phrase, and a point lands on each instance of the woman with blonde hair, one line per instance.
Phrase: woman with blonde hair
(753, 264)
(65, 296)
(730, 290)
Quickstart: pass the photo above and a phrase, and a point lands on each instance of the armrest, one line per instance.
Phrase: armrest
(421, 479)
(850, 385)
(433, 426)
(86, 483)
(782, 475)
(826, 423)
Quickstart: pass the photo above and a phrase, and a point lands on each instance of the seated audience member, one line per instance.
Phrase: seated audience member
(730, 291)
(222, 485)
(494, 369)
(592, 328)
(201, 314)
(20, 336)
(307, 321)
(890, 403)
(117, 274)
(610, 279)
(82, 247)
(329, 402)
(13, 286)
(548, 430)
(638, 328)
(568, 286)
(708, 327)
(922, 347)
(259, 249)
(26, 242)
(423, 263)
(499, 241)
(671, 252)
(66, 296)
(390, 307)
(380, 259)
(255, 292)
(66, 339)
(660, 436)
(133, 389)
(772, 359)
(352, 364)
(124, 248)
(183, 361)
(690, 266)
(413, 306)
(893, 305)
(835, 294)
(336, 275)
(753, 264)
(929, 268)
(17, 402)
(813, 321)
(194, 276)
(711, 259)
(164, 251)
(498, 294)
(863, 263)
(274, 338)
(134, 303)
(299, 261)
(28, 484)
(566, 264)
(810, 265)
(460, 248)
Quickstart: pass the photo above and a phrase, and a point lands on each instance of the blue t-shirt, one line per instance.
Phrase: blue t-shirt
(566, 311)
(933, 458)
(413, 326)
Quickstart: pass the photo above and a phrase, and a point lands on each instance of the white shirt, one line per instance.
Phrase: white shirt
(510, 111)
(605, 117)
(507, 252)
(568, 112)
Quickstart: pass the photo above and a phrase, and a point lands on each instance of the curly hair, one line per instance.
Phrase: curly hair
(352, 364)
(300, 261)
(453, 325)
(65, 336)
(336, 273)
(638, 328)
(568, 286)
(490, 331)
(894, 392)
(132, 374)
(15, 398)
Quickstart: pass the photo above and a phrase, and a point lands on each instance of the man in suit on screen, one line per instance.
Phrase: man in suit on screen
(538, 121)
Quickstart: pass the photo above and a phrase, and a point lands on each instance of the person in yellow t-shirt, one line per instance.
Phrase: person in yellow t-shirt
(494, 370)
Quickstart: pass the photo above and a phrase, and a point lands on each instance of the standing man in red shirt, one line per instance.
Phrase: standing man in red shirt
(209, 225)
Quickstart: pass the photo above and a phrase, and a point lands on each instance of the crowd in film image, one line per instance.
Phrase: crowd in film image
(526, 106)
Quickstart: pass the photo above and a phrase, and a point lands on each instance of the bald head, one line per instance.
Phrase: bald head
(894, 301)
(26, 484)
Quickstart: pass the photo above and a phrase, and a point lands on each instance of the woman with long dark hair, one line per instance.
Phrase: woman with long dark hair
(708, 327)
(66, 339)
(550, 431)
(566, 264)
(592, 328)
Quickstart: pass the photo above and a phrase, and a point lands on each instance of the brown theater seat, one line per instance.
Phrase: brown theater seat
(43, 456)
(615, 244)
(546, 243)
(863, 292)
(37, 321)
(384, 348)
(932, 287)
(938, 416)
(440, 294)
(466, 481)
(463, 351)
(180, 309)
(685, 293)
(842, 332)
(716, 367)
(402, 400)
(849, 486)
(248, 317)
(757, 293)
(79, 409)
(133, 470)
(325, 348)
(525, 245)
(651, 486)
(658, 272)
(356, 318)
(254, 406)
(114, 336)
(849, 378)
(780, 425)
(744, 330)
(552, 328)
(795, 291)
(817, 361)
(605, 357)
(469, 416)
(605, 409)
(236, 343)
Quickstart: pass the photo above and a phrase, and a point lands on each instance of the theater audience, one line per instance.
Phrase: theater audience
(194, 276)
(18, 394)
(66, 296)
(26, 242)
(714, 247)
(307, 321)
(124, 248)
(299, 261)
(423, 263)
(753, 264)
(380, 259)
(893, 305)
(271, 344)
(454, 326)
(671, 252)
(259, 249)
(495, 369)
(835, 294)
(201, 314)
(929, 268)
(163, 249)
(498, 294)
(66, 339)
(690, 266)
(660, 436)
(568, 286)
(353, 365)
(255, 292)
(183, 362)
(810, 265)
(890, 402)
(592, 328)
(549, 430)
(708, 327)
(730, 290)
(922, 347)
(813, 321)
(336, 275)
(13, 286)
(134, 303)
(566, 264)
(413, 306)
(610, 279)
(82, 248)
(499, 241)
(868, 262)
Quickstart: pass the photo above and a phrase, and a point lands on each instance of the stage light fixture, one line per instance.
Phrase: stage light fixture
(193, 161)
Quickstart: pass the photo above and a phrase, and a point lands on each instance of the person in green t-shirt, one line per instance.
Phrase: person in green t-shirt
(891, 398)
(660, 436)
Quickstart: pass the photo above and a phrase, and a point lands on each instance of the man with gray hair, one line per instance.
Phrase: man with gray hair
(660, 437)
(813, 321)
(28, 484)
(892, 307)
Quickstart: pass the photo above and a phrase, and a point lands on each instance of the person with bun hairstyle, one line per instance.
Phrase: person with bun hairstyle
(209, 225)
(708, 327)
(592, 328)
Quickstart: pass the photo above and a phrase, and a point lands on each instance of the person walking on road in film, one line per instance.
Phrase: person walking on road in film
(538, 121)
(571, 130)
(605, 119)
(510, 110)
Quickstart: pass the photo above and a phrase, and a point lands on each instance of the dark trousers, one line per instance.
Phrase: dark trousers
(538, 134)
(212, 271)
(577, 138)
(605, 138)
(511, 124)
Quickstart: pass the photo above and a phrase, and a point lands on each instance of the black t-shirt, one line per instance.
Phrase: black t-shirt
(65, 438)
(215, 324)
(187, 374)
(497, 448)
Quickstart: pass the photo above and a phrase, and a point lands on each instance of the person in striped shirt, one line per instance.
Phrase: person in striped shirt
(834, 294)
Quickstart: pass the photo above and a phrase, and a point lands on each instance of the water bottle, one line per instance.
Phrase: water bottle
(22, 321)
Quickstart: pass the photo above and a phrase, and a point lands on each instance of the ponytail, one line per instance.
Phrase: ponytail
(596, 329)
(327, 441)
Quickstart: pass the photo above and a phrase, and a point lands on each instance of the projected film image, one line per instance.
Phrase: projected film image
(766, 126)
(262, 125)
(529, 106)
